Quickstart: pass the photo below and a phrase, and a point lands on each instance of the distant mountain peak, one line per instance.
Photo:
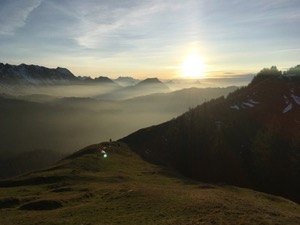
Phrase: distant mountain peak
(152, 83)
(103, 79)
(126, 81)
(154, 80)
(125, 78)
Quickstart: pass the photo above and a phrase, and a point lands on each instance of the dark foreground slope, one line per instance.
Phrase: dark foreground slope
(250, 139)
(123, 189)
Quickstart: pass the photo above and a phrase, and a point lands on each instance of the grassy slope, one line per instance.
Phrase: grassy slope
(86, 189)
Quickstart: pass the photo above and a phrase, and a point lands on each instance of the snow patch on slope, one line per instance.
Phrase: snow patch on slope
(235, 107)
(247, 104)
(288, 108)
(253, 102)
(296, 99)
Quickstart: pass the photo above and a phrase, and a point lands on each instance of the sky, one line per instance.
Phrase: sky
(151, 38)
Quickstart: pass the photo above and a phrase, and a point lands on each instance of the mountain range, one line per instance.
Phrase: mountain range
(38, 75)
(38, 80)
(34, 75)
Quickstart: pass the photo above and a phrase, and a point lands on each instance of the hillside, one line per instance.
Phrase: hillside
(86, 188)
(250, 139)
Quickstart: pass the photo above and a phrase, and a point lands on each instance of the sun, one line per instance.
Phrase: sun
(193, 67)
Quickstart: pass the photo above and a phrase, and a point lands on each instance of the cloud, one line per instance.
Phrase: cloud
(13, 14)
(119, 24)
(286, 50)
(240, 14)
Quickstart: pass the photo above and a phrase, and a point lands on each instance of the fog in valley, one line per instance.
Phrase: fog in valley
(66, 124)
(56, 120)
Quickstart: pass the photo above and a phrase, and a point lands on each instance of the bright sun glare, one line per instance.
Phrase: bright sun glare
(193, 67)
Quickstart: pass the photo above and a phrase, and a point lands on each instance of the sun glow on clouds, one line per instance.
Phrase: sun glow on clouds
(193, 67)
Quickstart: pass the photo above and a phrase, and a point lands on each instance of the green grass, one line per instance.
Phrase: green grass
(86, 189)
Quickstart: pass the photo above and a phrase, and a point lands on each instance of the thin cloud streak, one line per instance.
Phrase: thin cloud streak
(122, 24)
(286, 50)
(13, 14)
